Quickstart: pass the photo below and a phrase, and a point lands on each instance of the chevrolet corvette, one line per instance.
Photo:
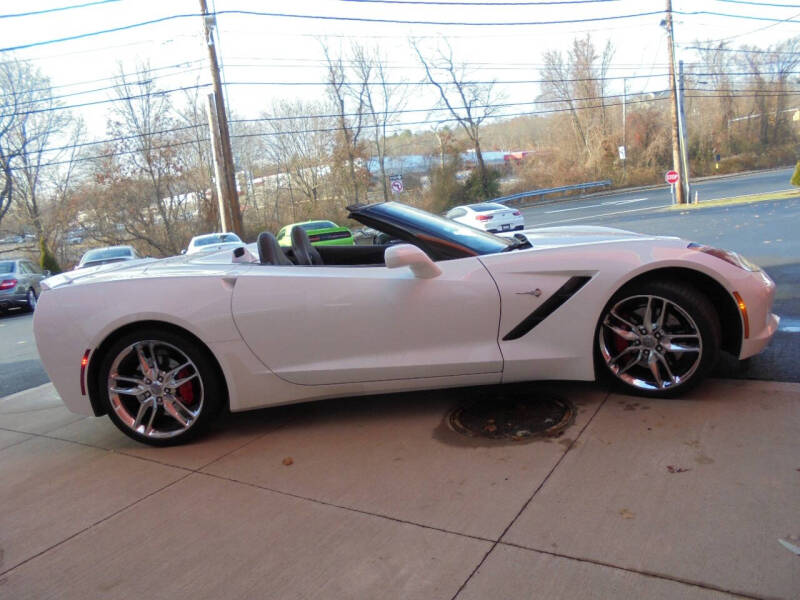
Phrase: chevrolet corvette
(160, 346)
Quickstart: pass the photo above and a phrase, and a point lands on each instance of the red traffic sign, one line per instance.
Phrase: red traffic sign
(671, 177)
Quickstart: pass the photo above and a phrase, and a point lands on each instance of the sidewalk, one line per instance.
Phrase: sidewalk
(655, 499)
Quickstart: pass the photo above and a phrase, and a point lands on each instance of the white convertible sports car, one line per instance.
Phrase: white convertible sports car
(161, 345)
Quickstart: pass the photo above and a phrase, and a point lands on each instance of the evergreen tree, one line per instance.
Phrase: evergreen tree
(795, 180)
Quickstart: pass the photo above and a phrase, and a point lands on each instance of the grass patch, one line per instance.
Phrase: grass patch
(733, 200)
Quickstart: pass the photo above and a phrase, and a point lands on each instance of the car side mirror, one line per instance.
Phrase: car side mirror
(47, 273)
(183, 251)
(406, 255)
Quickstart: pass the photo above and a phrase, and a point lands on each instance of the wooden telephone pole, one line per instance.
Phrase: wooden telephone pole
(677, 163)
(221, 136)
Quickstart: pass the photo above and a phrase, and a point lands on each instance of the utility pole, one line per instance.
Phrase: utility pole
(682, 130)
(228, 187)
(676, 144)
(624, 121)
(219, 174)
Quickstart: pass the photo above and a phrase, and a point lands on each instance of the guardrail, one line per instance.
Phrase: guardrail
(565, 188)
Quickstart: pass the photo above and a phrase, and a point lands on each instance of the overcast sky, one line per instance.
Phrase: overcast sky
(269, 49)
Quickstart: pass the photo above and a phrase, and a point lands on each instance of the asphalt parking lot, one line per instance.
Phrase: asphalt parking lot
(376, 498)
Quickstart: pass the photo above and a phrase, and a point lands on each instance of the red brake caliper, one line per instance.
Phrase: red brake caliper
(185, 391)
(620, 343)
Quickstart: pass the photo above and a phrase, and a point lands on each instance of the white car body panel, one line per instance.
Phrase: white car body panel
(294, 333)
(322, 325)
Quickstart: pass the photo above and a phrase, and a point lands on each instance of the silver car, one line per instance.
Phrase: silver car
(19, 283)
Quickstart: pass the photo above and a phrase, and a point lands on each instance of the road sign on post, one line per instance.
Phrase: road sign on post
(397, 183)
(672, 177)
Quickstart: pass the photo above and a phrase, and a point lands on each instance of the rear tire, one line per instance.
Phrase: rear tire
(159, 387)
(657, 339)
(31, 300)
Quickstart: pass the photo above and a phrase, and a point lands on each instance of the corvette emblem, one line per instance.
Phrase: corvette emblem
(537, 292)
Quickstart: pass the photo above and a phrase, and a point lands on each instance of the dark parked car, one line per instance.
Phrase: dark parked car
(19, 283)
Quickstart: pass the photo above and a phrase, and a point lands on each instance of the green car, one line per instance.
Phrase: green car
(320, 233)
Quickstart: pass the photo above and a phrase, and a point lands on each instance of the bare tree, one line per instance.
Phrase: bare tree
(716, 64)
(300, 145)
(148, 200)
(195, 153)
(767, 82)
(37, 152)
(470, 104)
(11, 90)
(33, 134)
(349, 99)
(382, 100)
(579, 82)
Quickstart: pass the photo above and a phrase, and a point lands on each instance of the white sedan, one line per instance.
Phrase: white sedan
(106, 255)
(488, 216)
(161, 346)
(214, 241)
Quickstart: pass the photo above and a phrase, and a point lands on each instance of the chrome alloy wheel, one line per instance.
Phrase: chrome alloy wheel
(30, 298)
(155, 389)
(650, 342)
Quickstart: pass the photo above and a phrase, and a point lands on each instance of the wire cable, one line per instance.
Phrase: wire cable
(500, 3)
(52, 10)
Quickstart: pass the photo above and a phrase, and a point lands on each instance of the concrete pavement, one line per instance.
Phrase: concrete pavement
(683, 498)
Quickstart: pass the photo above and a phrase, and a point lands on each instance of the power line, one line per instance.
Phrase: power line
(115, 77)
(92, 91)
(706, 94)
(760, 3)
(52, 10)
(109, 100)
(327, 18)
(394, 126)
(81, 36)
(739, 51)
(324, 83)
(500, 3)
(710, 13)
(387, 21)
(332, 116)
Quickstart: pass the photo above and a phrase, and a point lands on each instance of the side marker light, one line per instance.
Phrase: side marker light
(84, 363)
(743, 309)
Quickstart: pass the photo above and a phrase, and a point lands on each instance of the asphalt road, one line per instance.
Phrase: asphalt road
(20, 368)
(765, 232)
(583, 210)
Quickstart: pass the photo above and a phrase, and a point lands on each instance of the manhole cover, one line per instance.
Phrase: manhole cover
(516, 416)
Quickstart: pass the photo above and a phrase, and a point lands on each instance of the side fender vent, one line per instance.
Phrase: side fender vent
(561, 295)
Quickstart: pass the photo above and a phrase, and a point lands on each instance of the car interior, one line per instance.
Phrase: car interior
(303, 253)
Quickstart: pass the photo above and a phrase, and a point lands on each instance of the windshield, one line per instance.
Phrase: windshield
(318, 225)
(7, 266)
(486, 207)
(106, 253)
(450, 238)
(216, 239)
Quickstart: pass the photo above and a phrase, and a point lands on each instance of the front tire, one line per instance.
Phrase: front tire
(160, 388)
(657, 339)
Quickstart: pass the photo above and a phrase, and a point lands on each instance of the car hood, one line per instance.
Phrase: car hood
(552, 237)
